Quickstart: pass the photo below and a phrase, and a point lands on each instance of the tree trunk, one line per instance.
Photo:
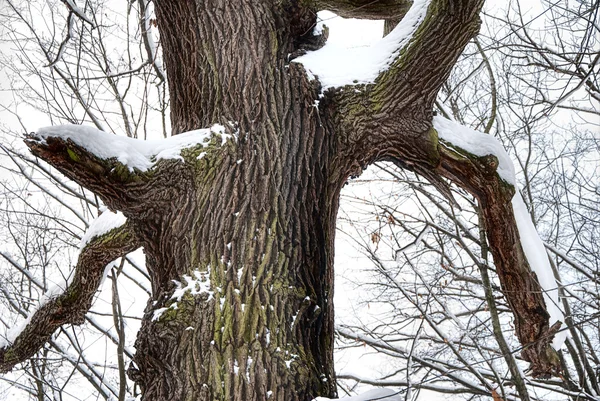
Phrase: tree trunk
(254, 234)
(254, 222)
(253, 229)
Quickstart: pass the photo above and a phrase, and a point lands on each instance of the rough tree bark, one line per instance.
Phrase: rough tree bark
(249, 227)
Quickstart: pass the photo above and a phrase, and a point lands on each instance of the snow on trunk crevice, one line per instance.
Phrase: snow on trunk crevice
(337, 65)
(134, 153)
(481, 144)
(199, 284)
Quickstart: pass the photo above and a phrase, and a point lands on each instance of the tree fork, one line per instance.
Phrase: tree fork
(239, 241)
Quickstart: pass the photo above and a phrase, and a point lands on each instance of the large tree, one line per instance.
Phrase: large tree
(238, 235)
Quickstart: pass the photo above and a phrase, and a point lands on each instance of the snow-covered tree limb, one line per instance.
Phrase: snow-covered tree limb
(120, 170)
(386, 113)
(109, 178)
(385, 101)
(70, 306)
(485, 170)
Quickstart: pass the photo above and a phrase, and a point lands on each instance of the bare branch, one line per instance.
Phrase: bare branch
(149, 45)
(77, 11)
(63, 44)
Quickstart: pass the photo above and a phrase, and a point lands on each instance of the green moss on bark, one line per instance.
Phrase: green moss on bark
(73, 155)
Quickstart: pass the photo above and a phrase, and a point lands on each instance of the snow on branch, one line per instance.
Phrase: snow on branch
(117, 168)
(63, 44)
(146, 22)
(464, 139)
(69, 305)
(78, 11)
(538, 260)
(104, 223)
(133, 153)
(476, 143)
(337, 66)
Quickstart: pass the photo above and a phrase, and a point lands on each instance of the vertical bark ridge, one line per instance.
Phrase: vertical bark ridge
(221, 56)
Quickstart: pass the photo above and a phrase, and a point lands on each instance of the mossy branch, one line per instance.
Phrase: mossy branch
(71, 306)
(390, 118)
(114, 182)
(425, 62)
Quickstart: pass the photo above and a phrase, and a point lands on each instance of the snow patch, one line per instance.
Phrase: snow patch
(134, 153)
(158, 313)
(107, 221)
(477, 143)
(248, 366)
(337, 65)
(199, 284)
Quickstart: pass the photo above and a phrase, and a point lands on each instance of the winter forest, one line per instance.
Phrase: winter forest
(297, 200)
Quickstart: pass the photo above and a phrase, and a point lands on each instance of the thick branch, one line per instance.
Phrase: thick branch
(71, 306)
(520, 285)
(482, 171)
(391, 116)
(366, 9)
(391, 120)
(129, 175)
(110, 179)
(424, 64)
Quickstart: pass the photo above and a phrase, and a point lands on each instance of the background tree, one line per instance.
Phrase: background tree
(287, 229)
